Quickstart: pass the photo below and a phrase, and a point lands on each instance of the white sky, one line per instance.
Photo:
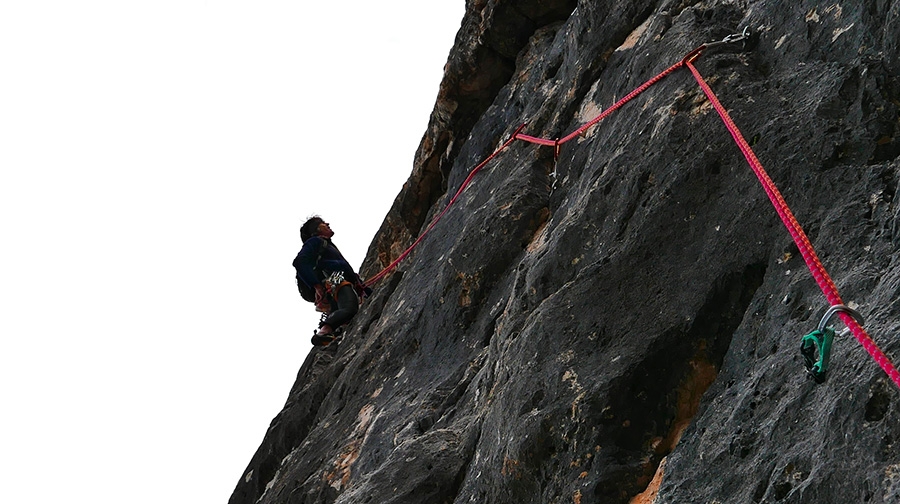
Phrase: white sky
(157, 159)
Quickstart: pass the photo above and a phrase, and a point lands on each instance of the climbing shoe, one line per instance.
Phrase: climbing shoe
(322, 340)
(326, 339)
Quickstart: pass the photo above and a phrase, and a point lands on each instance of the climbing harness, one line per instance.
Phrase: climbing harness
(820, 341)
(333, 283)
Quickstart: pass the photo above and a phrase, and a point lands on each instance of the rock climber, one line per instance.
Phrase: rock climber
(322, 270)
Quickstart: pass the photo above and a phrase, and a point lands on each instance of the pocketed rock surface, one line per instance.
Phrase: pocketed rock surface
(622, 324)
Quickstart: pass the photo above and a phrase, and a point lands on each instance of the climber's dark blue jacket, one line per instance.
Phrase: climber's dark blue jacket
(317, 259)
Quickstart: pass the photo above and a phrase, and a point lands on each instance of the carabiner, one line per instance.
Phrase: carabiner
(730, 39)
(817, 341)
(836, 309)
(737, 37)
(821, 340)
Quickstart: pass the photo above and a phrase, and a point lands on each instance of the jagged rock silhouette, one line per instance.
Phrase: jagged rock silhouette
(622, 324)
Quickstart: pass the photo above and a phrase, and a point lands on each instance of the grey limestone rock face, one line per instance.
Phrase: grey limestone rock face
(622, 324)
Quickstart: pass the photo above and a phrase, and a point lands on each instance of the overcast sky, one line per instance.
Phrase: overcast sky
(157, 161)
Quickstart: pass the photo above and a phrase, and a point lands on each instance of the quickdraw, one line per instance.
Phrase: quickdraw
(820, 341)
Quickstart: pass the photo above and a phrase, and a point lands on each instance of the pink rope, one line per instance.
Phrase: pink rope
(627, 98)
(819, 273)
(796, 231)
(381, 274)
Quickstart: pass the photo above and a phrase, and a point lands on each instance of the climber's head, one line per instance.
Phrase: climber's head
(315, 226)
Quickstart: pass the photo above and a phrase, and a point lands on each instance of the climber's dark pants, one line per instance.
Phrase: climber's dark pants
(347, 305)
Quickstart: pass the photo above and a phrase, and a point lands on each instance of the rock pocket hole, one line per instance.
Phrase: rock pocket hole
(878, 403)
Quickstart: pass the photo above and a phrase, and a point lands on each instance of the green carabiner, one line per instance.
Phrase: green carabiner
(821, 340)
(811, 343)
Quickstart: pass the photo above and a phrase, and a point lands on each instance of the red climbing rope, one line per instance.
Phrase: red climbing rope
(381, 274)
(790, 222)
(627, 98)
(640, 89)
(517, 135)
(536, 140)
(793, 226)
